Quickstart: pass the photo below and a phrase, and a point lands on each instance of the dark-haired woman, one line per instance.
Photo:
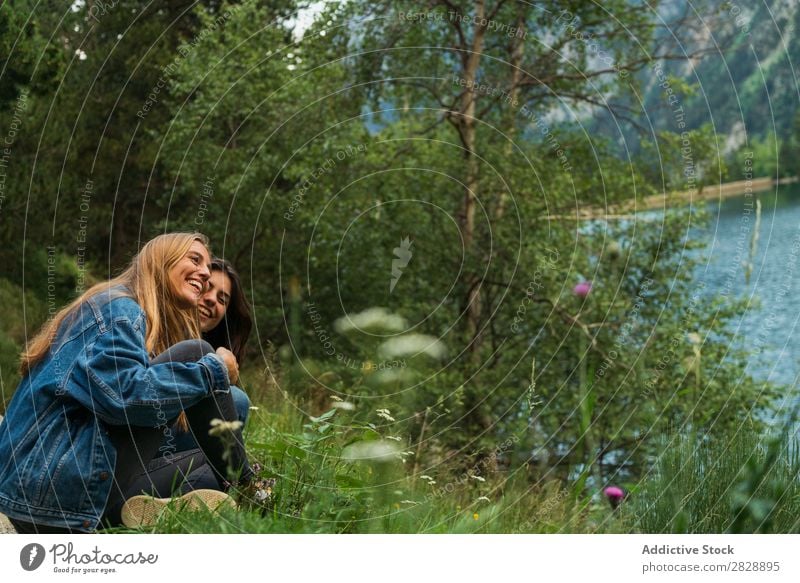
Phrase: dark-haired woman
(225, 322)
(225, 319)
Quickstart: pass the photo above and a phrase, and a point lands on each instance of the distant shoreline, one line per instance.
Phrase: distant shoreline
(711, 192)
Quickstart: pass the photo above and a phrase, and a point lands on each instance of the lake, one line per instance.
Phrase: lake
(768, 325)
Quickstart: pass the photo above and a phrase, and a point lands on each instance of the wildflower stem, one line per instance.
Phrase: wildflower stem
(419, 447)
(587, 398)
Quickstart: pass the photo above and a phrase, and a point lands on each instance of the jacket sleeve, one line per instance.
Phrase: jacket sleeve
(125, 389)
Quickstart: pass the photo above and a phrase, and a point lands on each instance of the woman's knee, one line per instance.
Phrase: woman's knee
(185, 351)
(242, 403)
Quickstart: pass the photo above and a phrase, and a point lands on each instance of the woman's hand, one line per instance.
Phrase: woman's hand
(230, 362)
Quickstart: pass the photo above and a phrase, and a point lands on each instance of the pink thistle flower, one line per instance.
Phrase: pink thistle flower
(615, 495)
(582, 289)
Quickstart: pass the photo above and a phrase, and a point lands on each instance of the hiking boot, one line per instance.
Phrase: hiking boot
(144, 510)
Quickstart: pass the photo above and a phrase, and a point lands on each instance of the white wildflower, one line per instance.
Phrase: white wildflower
(410, 345)
(403, 455)
(343, 405)
(390, 376)
(427, 478)
(385, 414)
(376, 451)
(371, 320)
(220, 427)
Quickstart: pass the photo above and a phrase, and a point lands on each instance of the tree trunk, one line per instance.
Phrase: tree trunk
(467, 130)
(517, 54)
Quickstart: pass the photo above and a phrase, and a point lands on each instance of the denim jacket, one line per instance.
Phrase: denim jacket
(56, 458)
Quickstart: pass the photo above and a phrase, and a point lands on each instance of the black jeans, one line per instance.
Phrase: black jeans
(163, 477)
(140, 469)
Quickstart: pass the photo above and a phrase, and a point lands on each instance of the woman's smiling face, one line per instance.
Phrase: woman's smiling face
(214, 302)
(188, 277)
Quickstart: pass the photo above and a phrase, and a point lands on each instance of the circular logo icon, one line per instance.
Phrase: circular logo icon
(31, 556)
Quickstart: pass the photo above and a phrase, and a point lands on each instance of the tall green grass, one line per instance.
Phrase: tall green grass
(337, 475)
(738, 484)
(728, 484)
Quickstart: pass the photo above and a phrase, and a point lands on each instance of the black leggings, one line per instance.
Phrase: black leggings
(140, 469)
(187, 470)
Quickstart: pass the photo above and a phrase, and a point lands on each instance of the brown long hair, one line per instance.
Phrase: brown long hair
(148, 283)
(233, 330)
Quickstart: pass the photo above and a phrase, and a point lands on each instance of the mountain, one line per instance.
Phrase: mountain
(746, 87)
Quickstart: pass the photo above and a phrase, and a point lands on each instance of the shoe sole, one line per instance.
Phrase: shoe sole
(145, 510)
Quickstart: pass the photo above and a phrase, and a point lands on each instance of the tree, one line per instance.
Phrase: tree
(507, 86)
(259, 138)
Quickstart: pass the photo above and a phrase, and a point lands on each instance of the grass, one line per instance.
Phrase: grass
(741, 484)
(335, 475)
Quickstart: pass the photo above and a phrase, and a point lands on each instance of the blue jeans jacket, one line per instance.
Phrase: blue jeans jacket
(56, 458)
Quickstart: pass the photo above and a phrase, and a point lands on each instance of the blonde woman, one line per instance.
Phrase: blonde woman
(94, 402)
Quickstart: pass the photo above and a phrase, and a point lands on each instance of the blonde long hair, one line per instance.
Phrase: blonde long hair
(147, 280)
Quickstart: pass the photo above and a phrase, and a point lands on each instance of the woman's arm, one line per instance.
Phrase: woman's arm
(124, 388)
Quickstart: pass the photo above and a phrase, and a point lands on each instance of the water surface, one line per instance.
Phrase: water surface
(768, 325)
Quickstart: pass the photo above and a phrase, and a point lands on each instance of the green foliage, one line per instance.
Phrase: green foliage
(50, 285)
(685, 160)
(243, 156)
(28, 61)
(765, 156)
(738, 484)
(790, 150)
